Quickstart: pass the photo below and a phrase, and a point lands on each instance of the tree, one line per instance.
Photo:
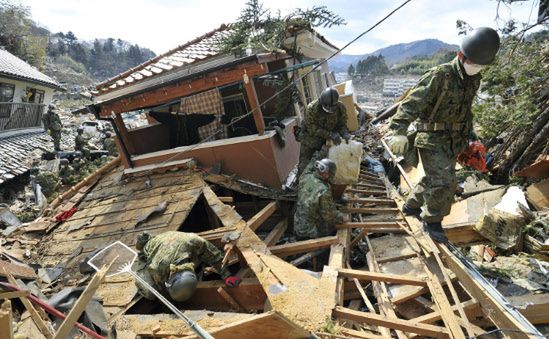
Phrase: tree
(373, 65)
(351, 70)
(71, 38)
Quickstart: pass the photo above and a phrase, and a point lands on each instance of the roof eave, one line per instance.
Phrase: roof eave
(34, 81)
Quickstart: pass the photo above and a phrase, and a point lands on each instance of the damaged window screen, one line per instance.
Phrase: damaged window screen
(135, 119)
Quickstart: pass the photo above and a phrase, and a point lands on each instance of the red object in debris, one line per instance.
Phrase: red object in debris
(473, 157)
(65, 214)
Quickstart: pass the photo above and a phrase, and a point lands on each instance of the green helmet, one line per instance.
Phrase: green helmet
(328, 99)
(481, 45)
(326, 166)
(181, 285)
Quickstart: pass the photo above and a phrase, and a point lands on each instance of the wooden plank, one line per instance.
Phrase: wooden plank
(370, 225)
(390, 322)
(370, 210)
(249, 295)
(369, 186)
(440, 299)
(491, 307)
(538, 170)
(230, 300)
(538, 194)
(14, 294)
(276, 233)
(253, 102)
(367, 301)
(258, 219)
(366, 192)
(40, 323)
(534, 307)
(374, 201)
(471, 306)
(17, 271)
(385, 277)
(360, 334)
(6, 320)
(303, 246)
(80, 305)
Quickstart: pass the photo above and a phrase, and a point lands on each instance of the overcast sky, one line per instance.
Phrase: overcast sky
(163, 24)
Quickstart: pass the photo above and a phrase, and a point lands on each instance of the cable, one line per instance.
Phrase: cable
(234, 121)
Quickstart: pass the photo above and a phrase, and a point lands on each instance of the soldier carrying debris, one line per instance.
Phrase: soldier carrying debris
(52, 124)
(108, 144)
(440, 105)
(79, 140)
(171, 259)
(325, 119)
(316, 213)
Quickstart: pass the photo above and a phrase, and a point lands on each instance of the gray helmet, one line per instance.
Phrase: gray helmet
(108, 134)
(326, 165)
(52, 106)
(142, 240)
(63, 161)
(481, 45)
(328, 99)
(80, 129)
(181, 285)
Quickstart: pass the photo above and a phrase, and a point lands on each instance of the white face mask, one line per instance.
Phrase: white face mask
(472, 69)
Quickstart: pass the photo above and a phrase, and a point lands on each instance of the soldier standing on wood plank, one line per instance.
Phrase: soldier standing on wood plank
(169, 261)
(52, 124)
(316, 213)
(440, 106)
(325, 119)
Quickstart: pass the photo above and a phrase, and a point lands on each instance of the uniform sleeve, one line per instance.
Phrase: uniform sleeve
(310, 122)
(420, 100)
(209, 254)
(342, 121)
(328, 209)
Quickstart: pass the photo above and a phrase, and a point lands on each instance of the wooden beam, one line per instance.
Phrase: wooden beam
(230, 300)
(250, 295)
(6, 320)
(303, 246)
(385, 277)
(470, 306)
(80, 305)
(389, 322)
(369, 225)
(38, 320)
(180, 89)
(276, 233)
(370, 186)
(443, 304)
(364, 296)
(495, 311)
(14, 294)
(258, 219)
(375, 201)
(254, 103)
(366, 192)
(371, 210)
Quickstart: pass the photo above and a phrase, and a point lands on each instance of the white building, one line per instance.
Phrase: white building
(396, 87)
(24, 93)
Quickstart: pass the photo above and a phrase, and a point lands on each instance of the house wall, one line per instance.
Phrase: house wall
(21, 87)
(150, 138)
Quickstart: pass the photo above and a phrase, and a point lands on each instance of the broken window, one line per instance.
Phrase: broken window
(6, 92)
(35, 95)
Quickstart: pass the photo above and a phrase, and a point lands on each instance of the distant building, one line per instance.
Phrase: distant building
(24, 93)
(396, 87)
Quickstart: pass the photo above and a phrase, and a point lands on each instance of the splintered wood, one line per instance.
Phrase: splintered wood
(411, 277)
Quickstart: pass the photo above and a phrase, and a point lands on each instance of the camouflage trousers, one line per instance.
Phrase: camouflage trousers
(56, 135)
(435, 191)
(142, 271)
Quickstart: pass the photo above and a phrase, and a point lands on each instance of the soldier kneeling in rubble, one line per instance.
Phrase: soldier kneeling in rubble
(316, 213)
(169, 262)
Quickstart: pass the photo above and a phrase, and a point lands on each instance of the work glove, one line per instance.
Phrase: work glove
(399, 144)
(335, 137)
(232, 281)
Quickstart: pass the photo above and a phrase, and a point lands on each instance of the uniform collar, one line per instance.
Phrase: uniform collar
(460, 71)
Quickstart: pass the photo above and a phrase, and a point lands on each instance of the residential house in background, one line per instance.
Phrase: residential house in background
(24, 94)
(194, 103)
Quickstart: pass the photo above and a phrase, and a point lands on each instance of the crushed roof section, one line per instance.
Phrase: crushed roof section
(13, 67)
(199, 49)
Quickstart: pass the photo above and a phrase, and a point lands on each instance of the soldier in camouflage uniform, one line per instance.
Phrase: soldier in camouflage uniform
(52, 124)
(316, 213)
(170, 260)
(49, 182)
(440, 107)
(325, 119)
(79, 140)
(109, 145)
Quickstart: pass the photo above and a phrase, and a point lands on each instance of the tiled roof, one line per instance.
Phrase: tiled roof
(13, 67)
(199, 49)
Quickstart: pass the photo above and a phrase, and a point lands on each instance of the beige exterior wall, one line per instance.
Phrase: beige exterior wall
(21, 87)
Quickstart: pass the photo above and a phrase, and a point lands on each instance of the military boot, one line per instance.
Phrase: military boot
(435, 231)
(410, 211)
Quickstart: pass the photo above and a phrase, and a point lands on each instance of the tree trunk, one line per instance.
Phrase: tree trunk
(530, 151)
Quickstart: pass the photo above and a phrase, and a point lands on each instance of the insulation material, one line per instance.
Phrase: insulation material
(347, 157)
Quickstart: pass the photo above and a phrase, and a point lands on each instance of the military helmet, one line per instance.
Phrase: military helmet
(142, 240)
(52, 106)
(181, 285)
(328, 99)
(80, 129)
(481, 45)
(326, 165)
(63, 161)
(108, 134)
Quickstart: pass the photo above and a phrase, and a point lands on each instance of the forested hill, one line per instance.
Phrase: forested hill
(62, 54)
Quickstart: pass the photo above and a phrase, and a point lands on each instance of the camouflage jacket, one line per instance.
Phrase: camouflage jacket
(79, 142)
(455, 107)
(109, 145)
(52, 121)
(316, 213)
(177, 251)
(318, 124)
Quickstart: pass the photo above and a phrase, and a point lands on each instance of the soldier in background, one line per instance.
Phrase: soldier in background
(170, 261)
(109, 145)
(79, 140)
(52, 124)
(440, 107)
(316, 213)
(325, 119)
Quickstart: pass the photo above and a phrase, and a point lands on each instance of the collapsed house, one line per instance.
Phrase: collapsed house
(182, 167)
